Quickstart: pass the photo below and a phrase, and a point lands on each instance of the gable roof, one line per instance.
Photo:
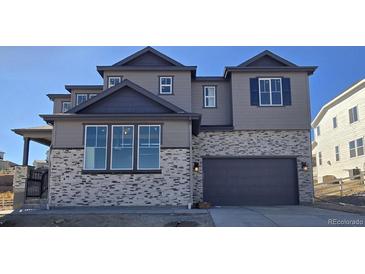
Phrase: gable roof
(268, 61)
(133, 86)
(131, 63)
(338, 99)
(268, 54)
(145, 51)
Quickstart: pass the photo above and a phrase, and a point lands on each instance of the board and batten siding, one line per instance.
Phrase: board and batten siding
(295, 116)
(222, 113)
(70, 134)
(150, 81)
(341, 136)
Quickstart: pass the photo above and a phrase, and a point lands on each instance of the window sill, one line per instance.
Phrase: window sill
(152, 171)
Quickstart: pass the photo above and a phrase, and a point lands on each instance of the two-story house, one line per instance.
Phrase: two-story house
(339, 130)
(155, 133)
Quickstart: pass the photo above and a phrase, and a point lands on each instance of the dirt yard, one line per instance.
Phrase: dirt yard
(108, 220)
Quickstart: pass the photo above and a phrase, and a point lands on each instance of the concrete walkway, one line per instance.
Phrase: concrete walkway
(283, 216)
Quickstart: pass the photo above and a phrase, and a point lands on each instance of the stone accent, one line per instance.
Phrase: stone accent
(20, 177)
(255, 143)
(68, 186)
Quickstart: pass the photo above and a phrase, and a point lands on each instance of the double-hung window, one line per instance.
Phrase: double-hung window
(270, 92)
(356, 147)
(353, 115)
(114, 80)
(149, 146)
(319, 158)
(122, 147)
(95, 147)
(210, 97)
(166, 85)
(337, 153)
(66, 106)
(81, 98)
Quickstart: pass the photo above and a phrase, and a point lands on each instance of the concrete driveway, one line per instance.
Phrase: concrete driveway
(283, 216)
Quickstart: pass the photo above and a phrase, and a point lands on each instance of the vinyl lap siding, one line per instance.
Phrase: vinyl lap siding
(149, 80)
(295, 116)
(222, 114)
(341, 136)
(70, 134)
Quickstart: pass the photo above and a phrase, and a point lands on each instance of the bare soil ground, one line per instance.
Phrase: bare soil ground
(108, 220)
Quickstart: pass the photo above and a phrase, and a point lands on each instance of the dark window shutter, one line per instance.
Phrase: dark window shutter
(286, 91)
(254, 91)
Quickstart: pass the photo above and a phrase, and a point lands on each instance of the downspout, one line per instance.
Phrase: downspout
(190, 204)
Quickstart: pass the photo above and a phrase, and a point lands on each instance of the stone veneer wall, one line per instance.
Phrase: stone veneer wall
(69, 187)
(255, 143)
(20, 177)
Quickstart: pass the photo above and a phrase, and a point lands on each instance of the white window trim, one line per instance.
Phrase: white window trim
(356, 147)
(357, 112)
(281, 92)
(111, 149)
(159, 150)
(106, 147)
(113, 77)
(339, 156)
(63, 105)
(210, 96)
(79, 95)
(166, 85)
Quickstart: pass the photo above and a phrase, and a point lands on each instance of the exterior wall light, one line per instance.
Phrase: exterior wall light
(196, 167)
(304, 166)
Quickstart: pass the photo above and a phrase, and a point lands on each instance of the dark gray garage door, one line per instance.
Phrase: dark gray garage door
(250, 181)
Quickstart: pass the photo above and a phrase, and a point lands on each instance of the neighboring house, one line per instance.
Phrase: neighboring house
(339, 130)
(314, 162)
(5, 165)
(155, 133)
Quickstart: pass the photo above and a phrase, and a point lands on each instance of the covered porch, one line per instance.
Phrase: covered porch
(30, 183)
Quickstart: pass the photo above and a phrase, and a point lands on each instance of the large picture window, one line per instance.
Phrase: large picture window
(149, 147)
(122, 147)
(270, 92)
(95, 147)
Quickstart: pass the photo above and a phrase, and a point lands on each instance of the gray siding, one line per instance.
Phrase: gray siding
(75, 91)
(149, 80)
(148, 59)
(295, 116)
(125, 100)
(222, 114)
(70, 134)
(57, 104)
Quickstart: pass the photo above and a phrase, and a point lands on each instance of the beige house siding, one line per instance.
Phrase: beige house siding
(295, 116)
(340, 136)
(83, 91)
(149, 80)
(70, 134)
(220, 115)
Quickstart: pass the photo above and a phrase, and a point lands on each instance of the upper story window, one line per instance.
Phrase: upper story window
(95, 147)
(356, 147)
(353, 115)
(66, 106)
(166, 85)
(337, 153)
(334, 122)
(114, 80)
(320, 158)
(270, 92)
(83, 97)
(318, 131)
(210, 100)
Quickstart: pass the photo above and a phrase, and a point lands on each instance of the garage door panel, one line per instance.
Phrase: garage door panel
(250, 181)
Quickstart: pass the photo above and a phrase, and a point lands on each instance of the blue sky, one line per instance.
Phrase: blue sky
(27, 74)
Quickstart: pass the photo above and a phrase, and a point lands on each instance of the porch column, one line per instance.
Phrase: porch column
(26, 151)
